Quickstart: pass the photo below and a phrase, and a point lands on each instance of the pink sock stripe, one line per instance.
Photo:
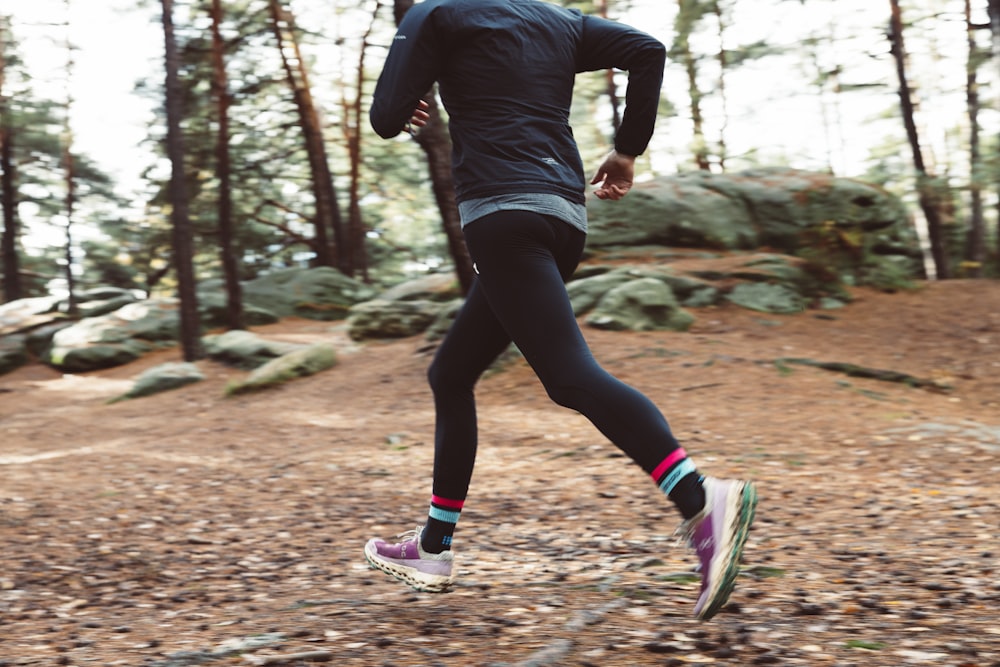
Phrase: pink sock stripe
(674, 456)
(447, 502)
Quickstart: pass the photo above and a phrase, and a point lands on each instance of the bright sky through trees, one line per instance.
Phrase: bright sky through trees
(117, 46)
(774, 106)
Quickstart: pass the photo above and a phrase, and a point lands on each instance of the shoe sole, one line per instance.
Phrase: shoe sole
(412, 577)
(741, 529)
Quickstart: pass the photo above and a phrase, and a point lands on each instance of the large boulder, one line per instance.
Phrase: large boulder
(379, 318)
(213, 310)
(320, 293)
(23, 315)
(672, 212)
(432, 287)
(18, 321)
(163, 378)
(848, 230)
(645, 304)
(103, 300)
(767, 298)
(585, 293)
(13, 352)
(116, 338)
(245, 350)
(424, 305)
(298, 363)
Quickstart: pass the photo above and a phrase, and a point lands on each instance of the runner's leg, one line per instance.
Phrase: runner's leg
(523, 260)
(473, 342)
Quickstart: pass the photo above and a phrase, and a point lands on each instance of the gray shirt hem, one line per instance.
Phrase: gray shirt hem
(546, 204)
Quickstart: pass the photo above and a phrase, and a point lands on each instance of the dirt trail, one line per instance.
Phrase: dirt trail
(189, 528)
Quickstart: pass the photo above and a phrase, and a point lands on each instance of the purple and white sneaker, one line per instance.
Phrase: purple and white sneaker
(718, 534)
(408, 562)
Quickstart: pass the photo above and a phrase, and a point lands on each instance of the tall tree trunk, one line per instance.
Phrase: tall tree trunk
(327, 210)
(70, 176)
(436, 144)
(353, 118)
(609, 79)
(975, 251)
(720, 17)
(927, 192)
(230, 263)
(182, 242)
(687, 16)
(994, 14)
(12, 288)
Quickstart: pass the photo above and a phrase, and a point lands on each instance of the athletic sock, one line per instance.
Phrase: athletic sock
(679, 480)
(441, 520)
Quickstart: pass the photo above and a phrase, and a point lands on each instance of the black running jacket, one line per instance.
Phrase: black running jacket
(505, 70)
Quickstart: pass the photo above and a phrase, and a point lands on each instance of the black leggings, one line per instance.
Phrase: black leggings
(523, 260)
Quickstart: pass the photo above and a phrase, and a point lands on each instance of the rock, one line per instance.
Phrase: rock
(116, 338)
(163, 378)
(848, 229)
(26, 325)
(12, 353)
(40, 339)
(585, 293)
(675, 212)
(24, 314)
(440, 287)
(104, 293)
(97, 307)
(320, 293)
(767, 298)
(692, 292)
(392, 319)
(645, 304)
(299, 363)
(243, 349)
(213, 311)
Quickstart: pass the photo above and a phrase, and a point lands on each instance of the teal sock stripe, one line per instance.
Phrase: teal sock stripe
(676, 474)
(444, 515)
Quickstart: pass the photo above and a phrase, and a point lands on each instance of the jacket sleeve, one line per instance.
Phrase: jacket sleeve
(607, 44)
(409, 72)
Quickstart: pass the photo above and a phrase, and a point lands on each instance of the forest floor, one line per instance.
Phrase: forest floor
(189, 528)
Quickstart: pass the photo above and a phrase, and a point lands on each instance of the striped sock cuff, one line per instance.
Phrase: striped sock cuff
(447, 503)
(668, 463)
(679, 472)
(445, 509)
(443, 515)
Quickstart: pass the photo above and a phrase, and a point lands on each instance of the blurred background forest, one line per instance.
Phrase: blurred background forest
(160, 143)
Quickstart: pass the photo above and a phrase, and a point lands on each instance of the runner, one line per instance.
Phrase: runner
(506, 70)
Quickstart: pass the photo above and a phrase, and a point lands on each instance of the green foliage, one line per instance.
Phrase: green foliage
(107, 265)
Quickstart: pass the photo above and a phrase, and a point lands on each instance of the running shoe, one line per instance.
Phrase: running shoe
(718, 534)
(408, 562)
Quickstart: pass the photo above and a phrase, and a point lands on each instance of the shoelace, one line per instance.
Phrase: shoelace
(413, 534)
